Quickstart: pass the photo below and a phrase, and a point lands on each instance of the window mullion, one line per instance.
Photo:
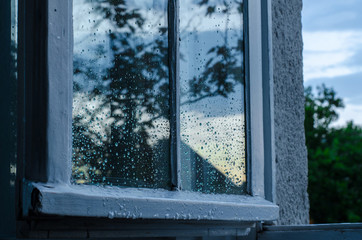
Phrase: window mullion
(255, 98)
(174, 93)
(60, 75)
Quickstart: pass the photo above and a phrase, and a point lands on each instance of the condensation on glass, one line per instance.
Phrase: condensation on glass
(12, 90)
(212, 96)
(121, 93)
(121, 101)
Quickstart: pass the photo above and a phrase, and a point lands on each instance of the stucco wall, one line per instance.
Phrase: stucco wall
(290, 149)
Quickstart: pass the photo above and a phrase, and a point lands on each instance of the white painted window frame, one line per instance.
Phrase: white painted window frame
(56, 195)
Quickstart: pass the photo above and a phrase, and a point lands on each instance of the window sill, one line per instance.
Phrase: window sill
(131, 203)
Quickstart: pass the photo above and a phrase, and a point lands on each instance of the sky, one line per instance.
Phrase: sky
(332, 34)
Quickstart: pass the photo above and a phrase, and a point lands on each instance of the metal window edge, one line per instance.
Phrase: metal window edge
(314, 227)
(135, 203)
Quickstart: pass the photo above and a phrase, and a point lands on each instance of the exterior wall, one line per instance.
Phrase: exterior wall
(290, 150)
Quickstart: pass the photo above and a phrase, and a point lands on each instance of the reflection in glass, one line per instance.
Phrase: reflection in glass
(121, 93)
(11, 88)
(212, 97)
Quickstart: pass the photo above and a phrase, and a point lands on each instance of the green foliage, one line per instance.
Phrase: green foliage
(335, 160)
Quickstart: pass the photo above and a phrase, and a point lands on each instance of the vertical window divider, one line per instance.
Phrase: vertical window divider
(173, 50)
(247, 96)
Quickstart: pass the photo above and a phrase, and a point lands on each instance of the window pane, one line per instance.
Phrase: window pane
(212, 96)
(121, 93)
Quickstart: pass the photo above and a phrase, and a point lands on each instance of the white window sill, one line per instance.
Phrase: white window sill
(131, 203)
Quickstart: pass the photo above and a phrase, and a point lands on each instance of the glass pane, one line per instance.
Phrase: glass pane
(212, 96)
(121, 93)
(11, 88)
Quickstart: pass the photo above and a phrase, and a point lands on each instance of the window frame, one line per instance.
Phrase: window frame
(44, 176)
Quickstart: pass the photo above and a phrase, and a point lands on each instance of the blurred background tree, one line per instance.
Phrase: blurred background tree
(335, 160)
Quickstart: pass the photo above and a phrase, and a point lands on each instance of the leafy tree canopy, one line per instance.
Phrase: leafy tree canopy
(335, 160)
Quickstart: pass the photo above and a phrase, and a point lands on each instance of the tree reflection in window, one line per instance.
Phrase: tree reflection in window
(212, 96)
(121, 107)
(121, 97)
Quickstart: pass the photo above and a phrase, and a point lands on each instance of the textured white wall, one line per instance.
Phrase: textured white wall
(290, 149)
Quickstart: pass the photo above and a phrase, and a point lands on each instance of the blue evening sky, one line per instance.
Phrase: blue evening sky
(332, 33)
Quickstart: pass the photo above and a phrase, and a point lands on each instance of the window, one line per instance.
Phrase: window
(124, 60)
(151, 87)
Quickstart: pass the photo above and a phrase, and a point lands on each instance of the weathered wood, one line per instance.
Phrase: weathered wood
(254, 106)
(60, 95)
(130, 203)
(268, 102)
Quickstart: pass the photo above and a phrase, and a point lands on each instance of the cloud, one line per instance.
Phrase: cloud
(329, 54)
(351, 112)
(332, 33)
(331, 40)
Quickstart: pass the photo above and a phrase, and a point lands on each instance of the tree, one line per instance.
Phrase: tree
(335, 160)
